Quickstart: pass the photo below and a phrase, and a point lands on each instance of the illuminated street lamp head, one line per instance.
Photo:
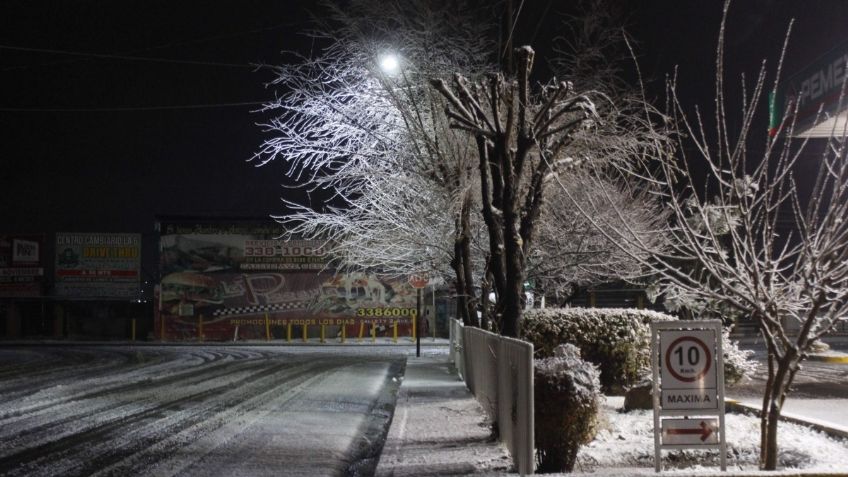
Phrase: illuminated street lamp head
(389, 63)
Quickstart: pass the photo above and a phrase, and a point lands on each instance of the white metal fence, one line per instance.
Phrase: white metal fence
(499, 372)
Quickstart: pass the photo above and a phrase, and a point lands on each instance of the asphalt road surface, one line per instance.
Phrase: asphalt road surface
(815, 379)
(190, 410)
(819, 391)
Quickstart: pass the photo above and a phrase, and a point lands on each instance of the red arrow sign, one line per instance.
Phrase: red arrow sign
(705, 431)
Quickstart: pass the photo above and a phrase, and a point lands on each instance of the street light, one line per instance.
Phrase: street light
(389, 63)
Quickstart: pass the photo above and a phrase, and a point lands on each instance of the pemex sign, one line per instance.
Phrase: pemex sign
(687, 364)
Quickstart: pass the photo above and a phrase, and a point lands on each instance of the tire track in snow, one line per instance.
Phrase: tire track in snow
(69, 451)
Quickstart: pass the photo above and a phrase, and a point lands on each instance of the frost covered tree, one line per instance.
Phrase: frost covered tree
(754, 236)
(406, 187)
(570, 253)
(376, 141)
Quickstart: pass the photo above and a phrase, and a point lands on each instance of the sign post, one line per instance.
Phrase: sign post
(688, 383)
(418, 281)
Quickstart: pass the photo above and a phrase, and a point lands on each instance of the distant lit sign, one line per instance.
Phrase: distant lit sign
(816, 87)
(21, 266)
(24, 251)
(102, 265)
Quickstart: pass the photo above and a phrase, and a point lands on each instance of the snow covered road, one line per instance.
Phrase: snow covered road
(193, 410)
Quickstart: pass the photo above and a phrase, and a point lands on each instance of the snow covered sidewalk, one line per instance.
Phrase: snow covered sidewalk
(438, 427)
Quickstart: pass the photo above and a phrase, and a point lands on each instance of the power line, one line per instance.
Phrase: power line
(124, 57)
(130, 108)
(163, 46)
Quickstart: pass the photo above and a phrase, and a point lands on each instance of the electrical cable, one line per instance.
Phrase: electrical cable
(130, 108)
(124, 57)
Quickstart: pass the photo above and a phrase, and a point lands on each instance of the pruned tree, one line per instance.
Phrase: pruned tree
(754, 236)
(521, 139)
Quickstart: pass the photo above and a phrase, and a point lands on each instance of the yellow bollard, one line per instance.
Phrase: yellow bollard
(361, 331)
(267, 328)
(304, 332)
(373, 333)
(322, 333)
(200, 328)
(344, 333)
(133, 329)
(394, 338)
(288, 332)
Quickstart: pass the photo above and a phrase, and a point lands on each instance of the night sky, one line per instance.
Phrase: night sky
(105, 144)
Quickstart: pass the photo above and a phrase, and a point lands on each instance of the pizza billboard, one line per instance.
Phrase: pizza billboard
(246, 276)
(98, 265)
(21, 265)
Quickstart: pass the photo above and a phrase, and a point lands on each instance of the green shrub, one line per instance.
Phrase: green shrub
(567, 397)
(617, 340)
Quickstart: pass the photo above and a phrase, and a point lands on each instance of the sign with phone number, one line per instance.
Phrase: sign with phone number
(386, 312)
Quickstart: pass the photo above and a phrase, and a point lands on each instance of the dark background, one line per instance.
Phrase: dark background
(105, 144)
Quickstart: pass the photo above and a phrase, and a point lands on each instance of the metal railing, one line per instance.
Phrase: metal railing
(499, 372)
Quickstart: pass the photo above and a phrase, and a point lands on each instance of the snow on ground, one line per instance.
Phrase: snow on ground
(627, 441)
(438, 427)
(193, 410)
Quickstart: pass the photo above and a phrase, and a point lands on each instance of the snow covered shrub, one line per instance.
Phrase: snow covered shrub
(618, 340)
(737, 362)
(567, 398)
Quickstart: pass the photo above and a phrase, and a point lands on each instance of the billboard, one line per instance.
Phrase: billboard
(243, 276)
(816, 92)
(21, 265)
(103, 265)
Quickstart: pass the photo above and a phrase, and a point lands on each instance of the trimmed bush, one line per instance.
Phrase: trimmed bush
(617, 340)
(567, 398)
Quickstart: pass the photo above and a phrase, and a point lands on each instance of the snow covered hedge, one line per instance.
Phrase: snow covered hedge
(618, 340)
(567, 399)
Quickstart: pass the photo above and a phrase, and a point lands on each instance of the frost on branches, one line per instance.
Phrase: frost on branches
(376, 142)
(405, 186)
(756, 236)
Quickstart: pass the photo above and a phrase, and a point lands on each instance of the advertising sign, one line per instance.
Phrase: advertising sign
(815, 90)
(244, 276)
(103, 265)
(21, 265)
(688, 382)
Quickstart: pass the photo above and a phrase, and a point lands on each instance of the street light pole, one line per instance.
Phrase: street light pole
(418, 324)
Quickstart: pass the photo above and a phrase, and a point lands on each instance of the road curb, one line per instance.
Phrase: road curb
(827, 428)
(829, 358)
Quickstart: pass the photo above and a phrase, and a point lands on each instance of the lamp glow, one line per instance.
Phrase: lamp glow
(389, 63)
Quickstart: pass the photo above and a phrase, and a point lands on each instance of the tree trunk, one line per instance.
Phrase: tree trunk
(778, 384)
(461, 265)
(513, 299)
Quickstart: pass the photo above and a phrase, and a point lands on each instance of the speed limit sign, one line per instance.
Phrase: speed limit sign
(688, 381)
(688, 359)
